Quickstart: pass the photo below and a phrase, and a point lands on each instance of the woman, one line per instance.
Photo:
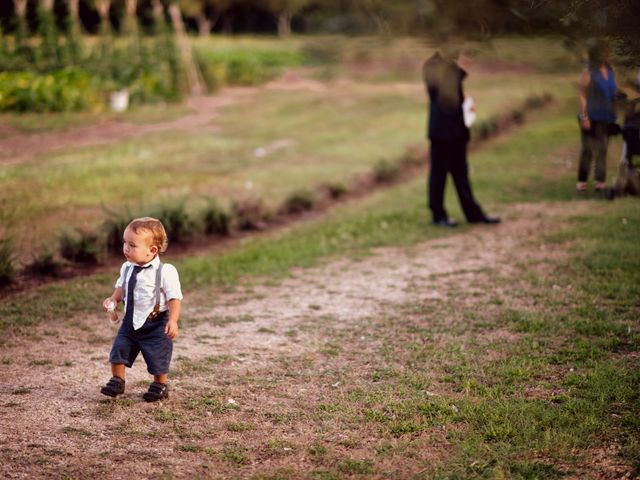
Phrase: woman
(596, 97)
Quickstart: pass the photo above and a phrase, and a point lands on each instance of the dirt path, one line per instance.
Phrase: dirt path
(17, 147)
(251, 366)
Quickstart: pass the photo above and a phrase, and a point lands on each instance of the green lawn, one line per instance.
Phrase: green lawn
(317, 138)
(541, 405)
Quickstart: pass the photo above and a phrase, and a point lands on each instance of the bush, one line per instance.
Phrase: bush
(7, 272)
(69, 89)
(215, 220)
(299, 201)
(323, 51)
(113, 228)
(53, 75)
(250, 214)
(177, 222)
(486, 128)
(80, 246)
(243, 67)
(385, 171)
(517, 116)
(335, 190)
(44, 265)
(414, 155)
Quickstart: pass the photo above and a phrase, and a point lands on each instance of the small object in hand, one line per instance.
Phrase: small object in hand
(469, 111)
(111, 312)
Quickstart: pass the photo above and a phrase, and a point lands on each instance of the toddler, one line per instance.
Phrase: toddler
(151, 293)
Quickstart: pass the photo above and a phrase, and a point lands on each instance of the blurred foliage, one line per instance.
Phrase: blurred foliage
(7, 270)
(68, 89)
(56, 70)
(243, 66)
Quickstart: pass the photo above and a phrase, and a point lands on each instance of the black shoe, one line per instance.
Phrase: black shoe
(157, 391)
(446, 223)
(487, 219)
(114, 387)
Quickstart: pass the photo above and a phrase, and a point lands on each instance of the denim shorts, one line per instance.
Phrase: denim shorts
(149, 339)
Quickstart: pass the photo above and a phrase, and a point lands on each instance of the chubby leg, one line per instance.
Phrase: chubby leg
(117, 370)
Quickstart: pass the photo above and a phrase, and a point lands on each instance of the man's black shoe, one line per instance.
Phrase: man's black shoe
(446, 223)
(487, 219)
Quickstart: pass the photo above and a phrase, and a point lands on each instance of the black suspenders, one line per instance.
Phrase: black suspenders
(156, 308)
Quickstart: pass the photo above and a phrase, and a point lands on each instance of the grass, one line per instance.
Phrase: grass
(393, 216)
(330, 137)
(34, 123)
(426, 388)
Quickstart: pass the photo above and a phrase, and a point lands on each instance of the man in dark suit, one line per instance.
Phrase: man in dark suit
(443, 77)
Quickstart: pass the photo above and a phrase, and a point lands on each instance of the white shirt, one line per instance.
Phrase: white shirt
(144, 293)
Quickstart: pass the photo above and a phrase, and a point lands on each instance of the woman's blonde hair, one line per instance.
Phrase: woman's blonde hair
(153, 225)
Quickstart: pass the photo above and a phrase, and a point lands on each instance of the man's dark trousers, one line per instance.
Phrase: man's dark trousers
(450, 156)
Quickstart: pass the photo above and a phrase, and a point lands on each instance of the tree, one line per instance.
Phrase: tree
(196, 85)
(130, 23)
(74, 14)
(617, 19)
(285, 10)
(21, 12)
(103, 6)
(206, 13)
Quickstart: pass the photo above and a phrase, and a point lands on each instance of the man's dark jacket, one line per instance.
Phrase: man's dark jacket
(443, 82)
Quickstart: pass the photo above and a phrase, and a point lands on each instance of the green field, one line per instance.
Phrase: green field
(507, 352)
(311, 138)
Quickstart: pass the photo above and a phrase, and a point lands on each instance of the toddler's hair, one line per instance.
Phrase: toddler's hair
(154, 226)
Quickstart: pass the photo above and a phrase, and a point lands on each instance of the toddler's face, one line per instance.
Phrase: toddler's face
(137, 247)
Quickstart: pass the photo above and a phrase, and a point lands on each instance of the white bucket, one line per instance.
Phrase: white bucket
(119, 100)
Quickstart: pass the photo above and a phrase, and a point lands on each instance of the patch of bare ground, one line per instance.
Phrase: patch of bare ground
(292, 379)
(18, 147)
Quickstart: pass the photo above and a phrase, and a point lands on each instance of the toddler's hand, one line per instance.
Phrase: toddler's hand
(171, 329)
(108, 304)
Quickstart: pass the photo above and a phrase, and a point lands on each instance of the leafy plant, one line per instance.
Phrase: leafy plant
(7, 271)
(299, 201)
(216, 220)
(335, 190)
(385, 171)
(249, 213)
(113, 228)
(177, 222)
(44, 265)
(80, 246)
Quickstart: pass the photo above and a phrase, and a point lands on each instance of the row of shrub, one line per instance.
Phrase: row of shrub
(149, 68)
(495, 123)
(81, 246)
(56, 70)
(87, 247)
(68, 89)
(243, 67)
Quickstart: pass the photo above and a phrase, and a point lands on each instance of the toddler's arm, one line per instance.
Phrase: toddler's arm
(171, 330)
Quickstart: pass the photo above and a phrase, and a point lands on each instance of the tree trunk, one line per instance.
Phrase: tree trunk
(21, 11)
(284, 24)
(21, 8)
(130, 21)
(227, 25)
(204, 25)
(47, 5)
(193, 74)
(103, 7)
(74, 9)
